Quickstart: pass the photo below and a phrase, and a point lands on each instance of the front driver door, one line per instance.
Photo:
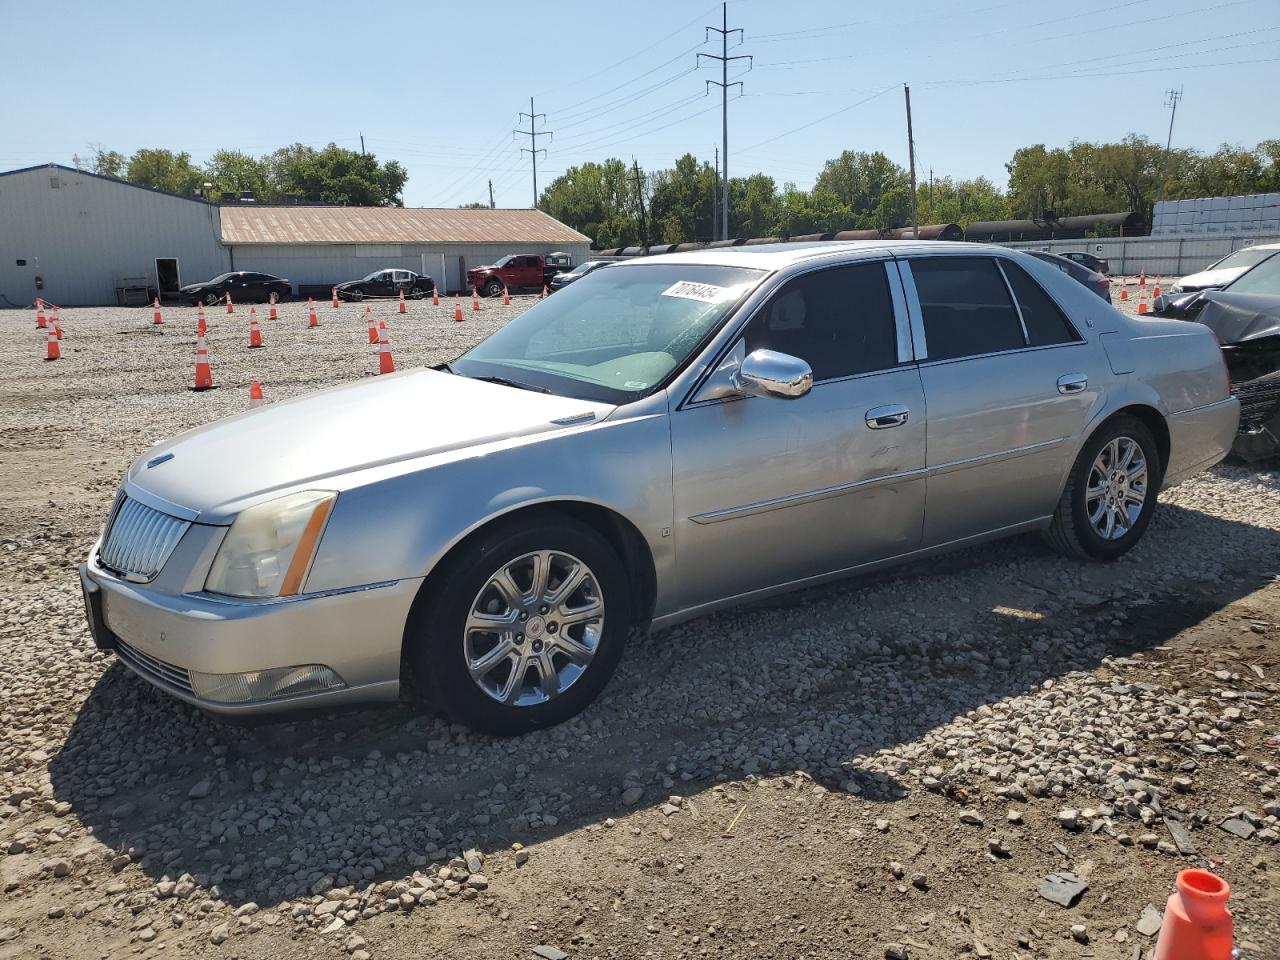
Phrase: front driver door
(771, 491)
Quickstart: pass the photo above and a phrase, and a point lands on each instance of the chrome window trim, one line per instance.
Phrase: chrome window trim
(999, 353)
(764, 294)
(901, 320)
(919, 342)
(1017, 307)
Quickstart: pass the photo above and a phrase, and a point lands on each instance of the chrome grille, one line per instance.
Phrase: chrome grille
(154, 668)
(139, 540)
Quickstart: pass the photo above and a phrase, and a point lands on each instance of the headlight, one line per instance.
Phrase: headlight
(269, 548)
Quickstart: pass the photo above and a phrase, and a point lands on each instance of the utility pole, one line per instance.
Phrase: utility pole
(362, 144)
(491, 195)
(724, 85)
(715, 207)
(911, 153)
(644, 227)
(532, 149)
(931, 195)
(1171, 101)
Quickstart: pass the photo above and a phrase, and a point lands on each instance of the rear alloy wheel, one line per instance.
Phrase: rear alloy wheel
(1111, 493)
(492, 288)
(525, 630)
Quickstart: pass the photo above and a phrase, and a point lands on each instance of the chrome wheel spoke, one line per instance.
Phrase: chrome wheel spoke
(478, 622)
(1116, 491)
(575, 650)
(483, 665)
(514, 683)
(548, 677)
(1126, 457)
(1138, 474)
(540, 575)
(504, 583)
(572, 580)
(571, 615)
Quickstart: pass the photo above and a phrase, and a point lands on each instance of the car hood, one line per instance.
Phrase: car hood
(190, 287)
(1241, 317)
(311, 442)
(487, 266)
(1209, 279)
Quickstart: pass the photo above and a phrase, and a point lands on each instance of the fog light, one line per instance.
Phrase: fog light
(265, 684)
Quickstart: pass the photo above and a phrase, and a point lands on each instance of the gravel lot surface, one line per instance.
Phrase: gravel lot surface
(888, 767)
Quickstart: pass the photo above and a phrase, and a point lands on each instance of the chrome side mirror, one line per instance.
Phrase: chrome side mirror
(767, 373)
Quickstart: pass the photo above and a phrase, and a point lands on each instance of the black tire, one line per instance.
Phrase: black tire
(355, 294)
(434, 633)
(492, 288)
(1071, 532)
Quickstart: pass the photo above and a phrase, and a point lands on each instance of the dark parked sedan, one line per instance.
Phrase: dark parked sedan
(1091, 279)
(243, 285)
(387, 283)
(1088, 260)
(577, 273)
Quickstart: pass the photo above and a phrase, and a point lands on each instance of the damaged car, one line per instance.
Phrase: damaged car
(1187, 296)
(1247, 326)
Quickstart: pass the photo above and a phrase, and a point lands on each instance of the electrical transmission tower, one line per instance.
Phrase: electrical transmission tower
(1171, 98)
(533, 150)
(724, 85)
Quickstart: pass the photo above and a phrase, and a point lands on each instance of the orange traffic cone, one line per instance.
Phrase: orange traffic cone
(373, 325)
(312, 319)
(1124, 291)
(155, 316)
(204, 376)
(256, 398)
(457, 307)
(403, 308)
(201, 330)
(545, 291)
(1197, 923)
(506, 296)
(52, 350)
(230, 308)
(255, 334)
(1142, 280)
(335, 297)
(435, 295)
(475, 300)
(273, 315)
(54, 324)
(1142, 300)
(40, 321)
(385, 363)
(1156, 292)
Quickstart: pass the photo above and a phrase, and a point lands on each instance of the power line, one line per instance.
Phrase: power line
(724, 84)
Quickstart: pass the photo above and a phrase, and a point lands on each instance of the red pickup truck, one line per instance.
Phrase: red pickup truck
(517, 270)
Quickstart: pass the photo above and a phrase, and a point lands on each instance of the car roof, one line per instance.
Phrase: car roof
(776, 256)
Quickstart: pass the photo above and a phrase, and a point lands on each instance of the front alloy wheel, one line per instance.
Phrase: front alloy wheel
(523, 627)
(534, 628)
(1117, 488)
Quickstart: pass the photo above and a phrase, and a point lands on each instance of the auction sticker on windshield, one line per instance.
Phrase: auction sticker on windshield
(705, 292)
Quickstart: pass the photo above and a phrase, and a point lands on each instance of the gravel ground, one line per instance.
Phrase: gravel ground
(886, 767)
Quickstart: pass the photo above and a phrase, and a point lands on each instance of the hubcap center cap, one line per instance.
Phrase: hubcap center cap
(536, 629)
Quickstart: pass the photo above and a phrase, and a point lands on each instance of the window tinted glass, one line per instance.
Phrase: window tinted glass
(1264, 278)
(1046, 324)
(965, 306)
(838, 321)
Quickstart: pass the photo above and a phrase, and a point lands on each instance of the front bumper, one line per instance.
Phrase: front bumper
(162, 637)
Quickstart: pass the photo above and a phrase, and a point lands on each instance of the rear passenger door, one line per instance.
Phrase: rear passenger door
(1005, 380)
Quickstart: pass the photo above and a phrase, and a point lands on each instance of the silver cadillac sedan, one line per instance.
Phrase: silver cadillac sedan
(657, 440)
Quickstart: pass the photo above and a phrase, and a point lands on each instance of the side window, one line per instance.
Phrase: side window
(1046, 324)
(965, 307)
(839, 321)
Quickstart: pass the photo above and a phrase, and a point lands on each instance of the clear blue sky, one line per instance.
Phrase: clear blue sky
(438, 86)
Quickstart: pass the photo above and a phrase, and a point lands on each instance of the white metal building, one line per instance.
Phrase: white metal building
(82, 237)
(75, 238)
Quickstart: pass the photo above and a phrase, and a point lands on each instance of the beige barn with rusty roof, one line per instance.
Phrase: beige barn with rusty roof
(76, 238)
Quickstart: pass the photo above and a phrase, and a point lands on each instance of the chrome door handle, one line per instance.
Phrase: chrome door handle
(892, 415)
(1073, 382)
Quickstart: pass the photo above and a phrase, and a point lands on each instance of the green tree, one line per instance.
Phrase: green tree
(753, 205)
(598, 199)
(108, 163)
(335, 175)
(232, 172)
(817, 211)
(681, 207)
(473, 205)
(859, 181)
(961, 201)
(164, 170)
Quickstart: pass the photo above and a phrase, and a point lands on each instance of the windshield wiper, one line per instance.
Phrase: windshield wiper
(512, 383)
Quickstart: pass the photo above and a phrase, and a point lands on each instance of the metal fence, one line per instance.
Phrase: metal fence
(1167, 256)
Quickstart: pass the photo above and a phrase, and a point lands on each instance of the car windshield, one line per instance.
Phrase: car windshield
(582, 268)
(615, 335)
(1248, 257)
(1264, 278)
(220, 277)
(503, 261)
(376, 275)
